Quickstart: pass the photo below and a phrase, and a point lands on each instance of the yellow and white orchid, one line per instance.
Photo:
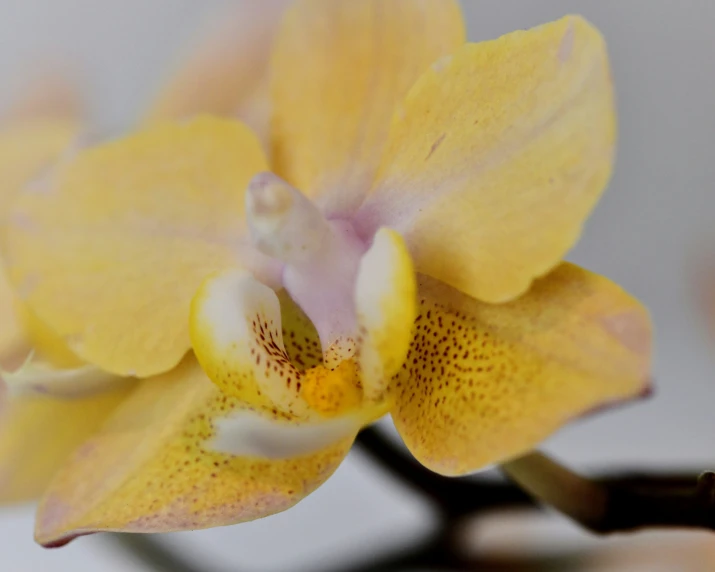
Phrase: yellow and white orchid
(401, 251)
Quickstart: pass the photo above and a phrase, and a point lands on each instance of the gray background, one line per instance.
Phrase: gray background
(650, 233)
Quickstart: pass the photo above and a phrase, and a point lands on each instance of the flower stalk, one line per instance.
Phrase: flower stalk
(616, 505)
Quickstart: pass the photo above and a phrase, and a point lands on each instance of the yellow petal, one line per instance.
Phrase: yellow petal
(12, 337)
(339, 68)
(227, 74)
(38, 130)
(386, 307)
(45, 343)
(125, 235)
(484, 383)
(498, 156)
(149, 469)
(37, 434)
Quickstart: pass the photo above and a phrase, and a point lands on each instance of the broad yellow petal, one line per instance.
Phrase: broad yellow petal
(339, 68)
(12, 337)
(386, 307)
(37, 131)
(125, 234)
(484, 383)
(38, 433)
(151, 470)
(228, 72)
(497, 157)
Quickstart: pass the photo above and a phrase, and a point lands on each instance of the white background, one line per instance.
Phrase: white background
(649, 233)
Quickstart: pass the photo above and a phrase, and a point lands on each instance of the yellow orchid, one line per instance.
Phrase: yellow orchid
(400, 252)
(38, 432)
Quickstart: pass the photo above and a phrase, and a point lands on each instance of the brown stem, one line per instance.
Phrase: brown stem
(613, 505)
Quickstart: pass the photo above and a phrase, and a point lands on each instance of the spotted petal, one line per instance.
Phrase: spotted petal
(263, 351)
(497, 157)
(125, 234)
(150, 468)
(484, 383)
(339, 68)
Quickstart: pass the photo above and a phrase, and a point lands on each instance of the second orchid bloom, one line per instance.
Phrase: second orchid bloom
(397, 248)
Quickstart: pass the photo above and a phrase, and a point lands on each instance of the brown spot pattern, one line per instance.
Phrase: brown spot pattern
(483, 383)
(150, 469)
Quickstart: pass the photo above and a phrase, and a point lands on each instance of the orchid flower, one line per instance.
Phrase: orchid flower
(400, 252)
(50, 399)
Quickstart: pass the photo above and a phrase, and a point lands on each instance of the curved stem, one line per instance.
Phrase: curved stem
(618, 504)
(580, 498)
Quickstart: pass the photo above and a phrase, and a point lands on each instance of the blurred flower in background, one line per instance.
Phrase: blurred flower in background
(225, 76)
(37, 434)
(228, 74)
